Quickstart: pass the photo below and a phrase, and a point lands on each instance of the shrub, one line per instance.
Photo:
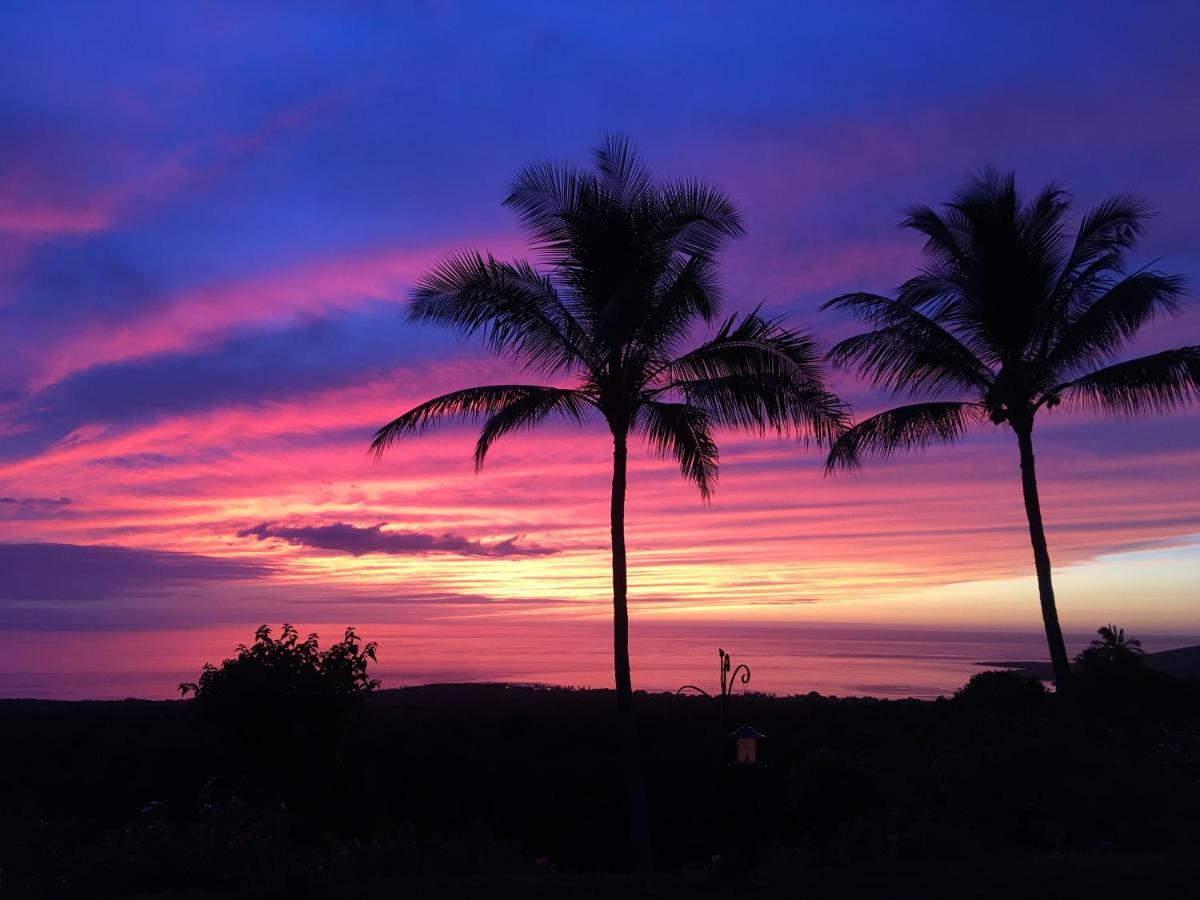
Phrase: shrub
(1112, 651)
(1001, 691)
(276, 716)
(284, 669)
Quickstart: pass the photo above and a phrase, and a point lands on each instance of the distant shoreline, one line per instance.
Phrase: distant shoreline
(786, 661)
(1183, 662)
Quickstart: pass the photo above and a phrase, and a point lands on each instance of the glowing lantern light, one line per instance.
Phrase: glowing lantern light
(746, 745)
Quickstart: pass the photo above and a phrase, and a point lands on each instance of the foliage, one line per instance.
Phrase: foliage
(117, 798)
(286, 670)
(630, 268)
(1112, 650)
(1014, 315)
(1001, 691)
(274, 720)
(1117, 685)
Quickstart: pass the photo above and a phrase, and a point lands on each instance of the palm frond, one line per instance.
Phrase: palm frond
(469, 404)
(945, 239)
(752, 345)
(529, 411)
(545, 196)
(907, 350)
(758, 375)
(988, 197)
(785, 405)
(696, 218)
(1104, 325)
(518, 310)
(941, 291)
(688, 289)
(1106, 231)
(682, 432)
(1040, 225)
(1156, 383)
(624, 177)
(903, 428)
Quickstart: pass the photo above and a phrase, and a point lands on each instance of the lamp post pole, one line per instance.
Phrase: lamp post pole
(731, 676)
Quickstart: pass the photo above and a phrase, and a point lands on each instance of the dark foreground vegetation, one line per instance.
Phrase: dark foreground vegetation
(472, 790)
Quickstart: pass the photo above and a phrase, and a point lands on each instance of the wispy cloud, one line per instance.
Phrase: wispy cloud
(355, 540)
(32, 507)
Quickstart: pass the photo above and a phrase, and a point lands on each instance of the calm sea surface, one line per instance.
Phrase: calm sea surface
(785, 659)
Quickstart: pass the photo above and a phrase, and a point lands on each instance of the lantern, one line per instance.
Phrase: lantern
(746, 741)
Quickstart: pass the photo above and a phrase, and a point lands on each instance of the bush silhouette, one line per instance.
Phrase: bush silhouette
(276, 715)
(286, 670)
(1112, 650)
(1001, 692)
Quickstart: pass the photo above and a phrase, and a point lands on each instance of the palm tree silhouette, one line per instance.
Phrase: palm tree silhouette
(1113, 648)
(630, 266)
(1016, 317)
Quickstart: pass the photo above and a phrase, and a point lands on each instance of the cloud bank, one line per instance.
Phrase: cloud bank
(354, 540)
(56, 573)
(33, 507)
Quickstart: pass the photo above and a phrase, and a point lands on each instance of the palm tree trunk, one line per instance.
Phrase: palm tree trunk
(1041, 562)
(639, 830)
(620, 581)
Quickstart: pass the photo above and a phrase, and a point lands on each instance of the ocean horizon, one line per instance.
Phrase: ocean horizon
(831, 659)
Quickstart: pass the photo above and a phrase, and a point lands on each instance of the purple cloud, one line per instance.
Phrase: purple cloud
(68, 573)
(341, 537)
(33, 507)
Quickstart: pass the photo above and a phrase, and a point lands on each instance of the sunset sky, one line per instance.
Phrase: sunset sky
(210, 220)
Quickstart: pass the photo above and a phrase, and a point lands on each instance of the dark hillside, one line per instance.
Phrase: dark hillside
(1183, 662)
(106, 799)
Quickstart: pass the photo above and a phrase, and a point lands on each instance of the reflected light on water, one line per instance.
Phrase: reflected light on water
(785, 659)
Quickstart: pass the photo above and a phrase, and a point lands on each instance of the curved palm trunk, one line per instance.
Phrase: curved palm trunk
(639, 831)
(1041, 562)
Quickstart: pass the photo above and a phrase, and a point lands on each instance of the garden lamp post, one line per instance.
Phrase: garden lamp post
(730, 676)
(746, 741)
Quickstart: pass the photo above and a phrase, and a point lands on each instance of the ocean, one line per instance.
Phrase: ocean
(841, 660)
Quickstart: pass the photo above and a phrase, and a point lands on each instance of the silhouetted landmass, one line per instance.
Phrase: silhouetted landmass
(515, 786)
(1182, 662)
(1063, 876)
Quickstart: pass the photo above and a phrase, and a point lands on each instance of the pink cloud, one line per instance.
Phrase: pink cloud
(202, 317)
(898, 529)
(51, 186)
(49, 218)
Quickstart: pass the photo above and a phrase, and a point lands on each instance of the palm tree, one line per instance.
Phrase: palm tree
(630, 266)
(1112, 649)
(1012, 316)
